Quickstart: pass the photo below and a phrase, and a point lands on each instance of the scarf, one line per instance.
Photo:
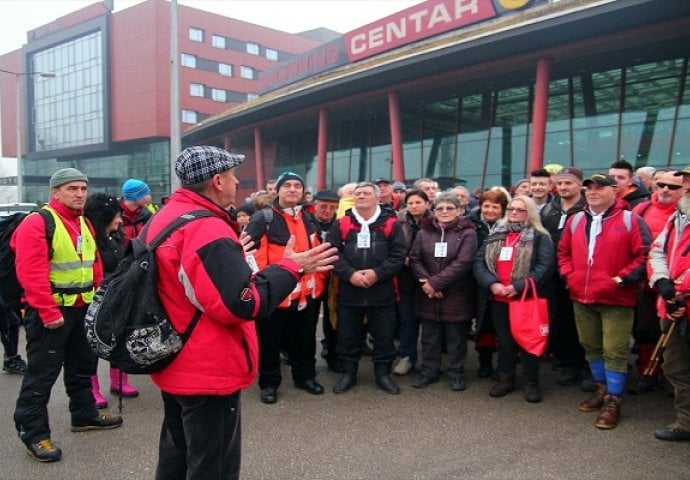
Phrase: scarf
(594, 232)
(524, 249)
(365, 223)
(293, 211)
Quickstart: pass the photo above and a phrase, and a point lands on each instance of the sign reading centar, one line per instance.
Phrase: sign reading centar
(427, 19)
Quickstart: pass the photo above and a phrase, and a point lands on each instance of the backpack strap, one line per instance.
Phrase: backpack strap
(50, 229)
(139, 243)
(627, 220)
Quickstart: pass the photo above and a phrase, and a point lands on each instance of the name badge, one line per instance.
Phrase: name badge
(440, 249)
(251, 261)
(80, 243)
(506, 254)
(363, 240)
(561, 222)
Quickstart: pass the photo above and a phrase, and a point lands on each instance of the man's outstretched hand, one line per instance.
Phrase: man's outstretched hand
(315, 260)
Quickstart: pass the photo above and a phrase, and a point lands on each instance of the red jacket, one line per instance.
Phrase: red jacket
(620, 250)
(33, 263)
(202, 265)
(655, 214)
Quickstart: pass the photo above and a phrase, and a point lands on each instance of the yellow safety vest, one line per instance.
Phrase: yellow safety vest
(151, 208)
(70, 273)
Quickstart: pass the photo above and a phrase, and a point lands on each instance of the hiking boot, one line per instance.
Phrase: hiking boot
(505, 385)
(403, 366)
(103, 421)
(532, 393)
(44, 451)
(14, 364)
(610, 413)
(595, 402)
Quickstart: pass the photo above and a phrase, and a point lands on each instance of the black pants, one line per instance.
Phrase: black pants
(300, 335)
(201, 438)
(507, 347)
(9, 331)
(47, 352)
(455, 334)
(563, 339)
(381, 325)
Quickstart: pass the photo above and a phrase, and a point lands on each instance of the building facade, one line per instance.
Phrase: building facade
(105, 108)
(473, 92)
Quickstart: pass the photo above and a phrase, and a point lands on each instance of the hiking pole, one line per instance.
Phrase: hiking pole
(645, 382)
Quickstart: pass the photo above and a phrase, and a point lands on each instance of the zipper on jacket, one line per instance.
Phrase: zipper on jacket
(247, 355)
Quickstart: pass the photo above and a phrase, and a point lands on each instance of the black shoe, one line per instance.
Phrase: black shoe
(421, 381)
(346, 382)
(309, 385)
(672, 434)
(44, 451)
(568, 376)
(103, 421)
(458, 384)
(14, 364)
(385, 383)
(335, 366)
(269, 395)
(532, 393)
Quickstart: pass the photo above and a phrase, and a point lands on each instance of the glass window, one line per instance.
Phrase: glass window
(189, 116)
(218, 41)
(188, 60)
(247, 72)
(196, 34)
(218, 95)
(196, 90)
(271, 54)
(252, 96)
(225, 69)
(253, 48)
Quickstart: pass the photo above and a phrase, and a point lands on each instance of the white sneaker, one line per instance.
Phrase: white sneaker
(403, 367)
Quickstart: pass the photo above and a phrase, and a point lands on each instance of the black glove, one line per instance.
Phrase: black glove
(665, 287)
(673, 306)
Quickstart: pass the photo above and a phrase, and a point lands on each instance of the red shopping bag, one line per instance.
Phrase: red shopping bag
(529, 320)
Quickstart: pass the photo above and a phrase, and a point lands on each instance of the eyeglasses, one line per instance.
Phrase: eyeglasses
(516, 210)
(445, 209)
(670, 186)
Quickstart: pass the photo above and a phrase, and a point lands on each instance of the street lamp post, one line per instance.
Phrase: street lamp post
(18, 100)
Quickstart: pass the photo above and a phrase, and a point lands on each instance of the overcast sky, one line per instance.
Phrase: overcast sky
(19, 16)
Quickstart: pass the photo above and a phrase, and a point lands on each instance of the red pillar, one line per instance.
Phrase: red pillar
(541, 105)
(396, 137)
(259, 159)
(322, 150)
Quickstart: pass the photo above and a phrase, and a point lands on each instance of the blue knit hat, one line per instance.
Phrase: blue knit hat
(285, 176)
(133, 190)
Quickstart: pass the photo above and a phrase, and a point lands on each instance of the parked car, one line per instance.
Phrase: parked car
(7, 209)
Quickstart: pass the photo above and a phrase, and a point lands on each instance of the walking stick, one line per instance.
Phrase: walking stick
(645, 382)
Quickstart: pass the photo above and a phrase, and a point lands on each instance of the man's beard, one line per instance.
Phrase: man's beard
(684, 205)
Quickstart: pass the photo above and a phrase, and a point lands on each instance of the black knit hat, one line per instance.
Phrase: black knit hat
(101, 209)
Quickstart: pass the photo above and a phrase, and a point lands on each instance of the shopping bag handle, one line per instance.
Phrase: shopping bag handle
(529, 282)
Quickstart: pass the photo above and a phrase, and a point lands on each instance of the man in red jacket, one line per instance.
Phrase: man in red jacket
(202, 266)
(58, 287)
(601, 256)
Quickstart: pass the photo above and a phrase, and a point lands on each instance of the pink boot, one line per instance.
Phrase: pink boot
(101, 402)
(127, 390)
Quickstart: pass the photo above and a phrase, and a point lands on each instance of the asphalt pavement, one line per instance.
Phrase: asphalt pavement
(433, 433)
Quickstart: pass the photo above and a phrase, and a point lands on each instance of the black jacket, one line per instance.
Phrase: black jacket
(385, 256)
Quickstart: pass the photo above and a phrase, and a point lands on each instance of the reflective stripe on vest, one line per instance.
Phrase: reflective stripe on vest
(70, 274)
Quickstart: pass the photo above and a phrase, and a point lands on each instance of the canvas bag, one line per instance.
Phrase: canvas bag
(529, 320)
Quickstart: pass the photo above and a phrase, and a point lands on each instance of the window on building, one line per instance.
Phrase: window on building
(188, 60)
(252, 96)
(253, 48)
(196, 34)
(218, 95)
(271, 54)
(196, 90)
(218, 41)
(189, 116)
(225, 69)
(247, 72)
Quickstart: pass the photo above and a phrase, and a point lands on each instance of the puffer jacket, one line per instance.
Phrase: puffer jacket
(385, 256)
(202, 266)
(451, 275)
(620, 251)
(406, 280)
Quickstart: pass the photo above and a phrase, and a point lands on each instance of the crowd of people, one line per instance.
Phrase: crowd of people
(389, 268)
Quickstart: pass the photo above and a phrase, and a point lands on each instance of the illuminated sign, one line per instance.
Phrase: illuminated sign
(425, 20)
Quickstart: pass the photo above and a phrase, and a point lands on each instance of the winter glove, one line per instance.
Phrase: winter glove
(665, 287)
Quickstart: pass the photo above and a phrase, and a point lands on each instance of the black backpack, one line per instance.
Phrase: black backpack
(126, 324)
(10, 288)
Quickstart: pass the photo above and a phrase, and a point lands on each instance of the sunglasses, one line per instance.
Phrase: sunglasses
(661, 186)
